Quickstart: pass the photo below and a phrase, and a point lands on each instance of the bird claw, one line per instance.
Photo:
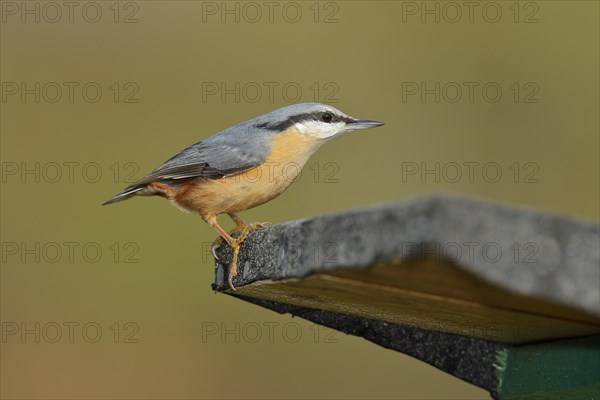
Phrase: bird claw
(236, 248)
(238, 244)
(215, 246)
(233, 267)
(260, 225)
(230, 281)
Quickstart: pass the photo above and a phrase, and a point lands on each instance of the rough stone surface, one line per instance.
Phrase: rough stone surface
(519, 249)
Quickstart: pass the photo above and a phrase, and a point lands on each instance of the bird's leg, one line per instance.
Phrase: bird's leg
(251, 228)
(235, 244)
(246, 229)
(238, 245)
(240, 225)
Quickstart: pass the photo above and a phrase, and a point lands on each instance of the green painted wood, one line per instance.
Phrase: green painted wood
(565, 369)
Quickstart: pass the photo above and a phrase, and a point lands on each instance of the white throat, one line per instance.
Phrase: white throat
(320, 129)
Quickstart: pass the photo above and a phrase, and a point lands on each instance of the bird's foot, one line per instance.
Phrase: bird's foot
(248, 229)
(215, 246)
(238, 244)
(219, 240)
(257, 225)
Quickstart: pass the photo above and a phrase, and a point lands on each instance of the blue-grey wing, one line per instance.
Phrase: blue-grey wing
(198, 161)
(225, 154)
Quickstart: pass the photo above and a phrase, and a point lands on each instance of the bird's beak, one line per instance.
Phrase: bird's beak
(357, 124)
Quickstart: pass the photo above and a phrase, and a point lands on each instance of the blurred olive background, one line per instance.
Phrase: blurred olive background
(164, 333)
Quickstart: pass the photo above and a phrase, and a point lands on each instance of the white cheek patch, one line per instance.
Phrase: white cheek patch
(319, 129)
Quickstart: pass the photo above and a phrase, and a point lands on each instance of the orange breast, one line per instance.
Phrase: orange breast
(290, 150)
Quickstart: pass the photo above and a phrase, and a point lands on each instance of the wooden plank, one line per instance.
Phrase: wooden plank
(432, 295)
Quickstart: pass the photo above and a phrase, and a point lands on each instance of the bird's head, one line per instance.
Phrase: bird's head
(316, 120)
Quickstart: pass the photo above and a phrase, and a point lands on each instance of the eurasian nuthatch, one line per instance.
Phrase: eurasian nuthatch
(244, 166)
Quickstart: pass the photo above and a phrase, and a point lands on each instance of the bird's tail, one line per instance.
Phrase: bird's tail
(128, 193)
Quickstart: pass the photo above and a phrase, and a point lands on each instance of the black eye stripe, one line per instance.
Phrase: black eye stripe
(318, 116)
(315, 116)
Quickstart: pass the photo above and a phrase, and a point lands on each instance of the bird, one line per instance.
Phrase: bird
(244, 166)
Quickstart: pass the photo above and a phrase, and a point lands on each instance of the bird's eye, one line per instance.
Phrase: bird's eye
(327, 117)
